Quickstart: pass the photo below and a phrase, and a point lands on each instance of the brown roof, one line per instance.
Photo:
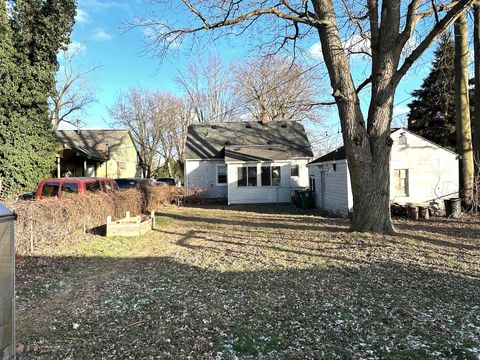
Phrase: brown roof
(92, 143)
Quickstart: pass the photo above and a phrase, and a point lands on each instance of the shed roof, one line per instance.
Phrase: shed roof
(247, 141)
(340, 154)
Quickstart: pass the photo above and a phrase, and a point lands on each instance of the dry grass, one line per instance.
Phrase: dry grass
(264, 283)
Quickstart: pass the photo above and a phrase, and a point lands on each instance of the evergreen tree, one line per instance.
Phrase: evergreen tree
(31, 34)
(432, 113)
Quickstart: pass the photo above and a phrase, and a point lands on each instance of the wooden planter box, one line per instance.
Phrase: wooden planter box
(130, 226)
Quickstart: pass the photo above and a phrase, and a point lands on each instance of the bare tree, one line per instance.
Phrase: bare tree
(387, 29)
(207, 85)
(73, 91)
(275, 85)
(158, 122)
(172, 114)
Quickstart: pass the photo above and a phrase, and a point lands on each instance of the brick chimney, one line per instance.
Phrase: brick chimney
(264, 118)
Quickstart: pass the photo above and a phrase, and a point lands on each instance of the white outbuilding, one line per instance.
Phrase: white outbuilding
(420, 171)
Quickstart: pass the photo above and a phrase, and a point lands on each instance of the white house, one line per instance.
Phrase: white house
(420, 171)
(247, 162)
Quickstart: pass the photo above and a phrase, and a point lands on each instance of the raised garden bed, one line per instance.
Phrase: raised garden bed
(130, 225)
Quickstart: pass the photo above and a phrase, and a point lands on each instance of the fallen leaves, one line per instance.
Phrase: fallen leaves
(266, 282)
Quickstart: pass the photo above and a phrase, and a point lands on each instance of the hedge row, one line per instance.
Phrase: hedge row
(43, 224)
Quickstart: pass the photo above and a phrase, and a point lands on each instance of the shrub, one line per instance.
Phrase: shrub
(157, 196)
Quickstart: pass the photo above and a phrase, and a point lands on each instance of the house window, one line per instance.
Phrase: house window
(252, 176)
(294, 170)
(266, 176)
(247, 176)
(221, 174)
(312, 184)
(271, 175)
(400, 179)
(275, 175)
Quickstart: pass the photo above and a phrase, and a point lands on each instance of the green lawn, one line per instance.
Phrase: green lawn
(256, 282)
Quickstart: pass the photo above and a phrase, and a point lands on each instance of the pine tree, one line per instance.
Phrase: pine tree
(432, 113)
(32, 32)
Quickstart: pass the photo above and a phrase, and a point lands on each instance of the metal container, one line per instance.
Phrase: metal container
(453, 208)
(7, 284)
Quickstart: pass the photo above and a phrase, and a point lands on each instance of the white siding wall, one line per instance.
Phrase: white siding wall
(334, 195)
(432, 175)
(300, 181)
(201, 175)
(267, 194)
(432, 171)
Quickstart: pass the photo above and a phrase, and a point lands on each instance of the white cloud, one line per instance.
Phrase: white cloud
(154, 32)
(315, 50)
(358, 45)
(353, 45)
(101, 35)
(76, 47)
(81, 17)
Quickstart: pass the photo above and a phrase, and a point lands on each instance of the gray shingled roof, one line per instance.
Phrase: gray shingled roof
(91, 143)
(337, 154)
(340, 154)
(247, 141)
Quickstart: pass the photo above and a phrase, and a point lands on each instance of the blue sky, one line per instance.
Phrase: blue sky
(101, 35)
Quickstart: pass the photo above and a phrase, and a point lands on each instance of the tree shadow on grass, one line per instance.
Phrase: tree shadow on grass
(272, 209)
(157, 306)
(323, 224)
(454, 229)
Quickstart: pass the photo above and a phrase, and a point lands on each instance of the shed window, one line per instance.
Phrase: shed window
(312, 184)
(402, 140)
(221, 174)
(401, 182)
(247, 176)
(294, 170)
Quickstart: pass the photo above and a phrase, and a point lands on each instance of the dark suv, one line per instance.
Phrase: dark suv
(134, 183)
(169, 181)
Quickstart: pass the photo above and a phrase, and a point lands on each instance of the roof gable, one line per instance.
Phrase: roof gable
(340, 154)
(93, 143)
(249, 139)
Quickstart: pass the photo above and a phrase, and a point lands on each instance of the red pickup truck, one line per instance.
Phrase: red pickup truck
(59, 187)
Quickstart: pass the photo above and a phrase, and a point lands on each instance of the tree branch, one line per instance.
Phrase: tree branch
(438, 29)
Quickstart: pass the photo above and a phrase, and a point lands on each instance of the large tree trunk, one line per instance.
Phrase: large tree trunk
(368, 152)
(462, 111)
(476, 45)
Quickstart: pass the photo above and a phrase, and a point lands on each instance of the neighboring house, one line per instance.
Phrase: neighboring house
(103, 153)
(247, 162)
(420, 171)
